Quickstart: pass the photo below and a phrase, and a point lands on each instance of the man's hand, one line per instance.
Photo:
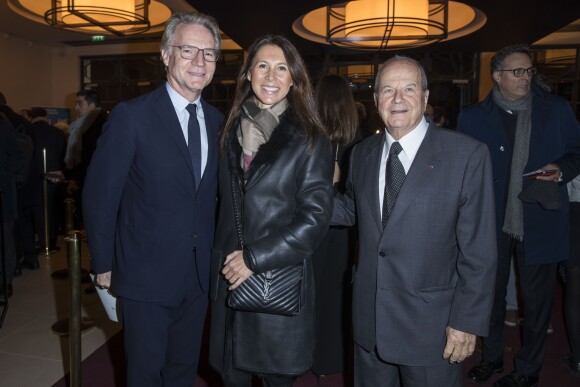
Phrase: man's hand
(552, 177)
(235, 270)
(55, 176)
(460, 345)
(103, 280)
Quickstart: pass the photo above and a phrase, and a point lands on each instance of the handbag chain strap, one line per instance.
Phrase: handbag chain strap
(237, 212)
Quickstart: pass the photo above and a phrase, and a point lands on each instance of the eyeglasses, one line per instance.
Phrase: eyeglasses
(519, 72)
(190, 53)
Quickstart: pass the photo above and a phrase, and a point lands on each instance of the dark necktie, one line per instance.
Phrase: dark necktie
(394, 177)
(194, 142)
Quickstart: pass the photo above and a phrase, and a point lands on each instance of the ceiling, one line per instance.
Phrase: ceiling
(509, 22)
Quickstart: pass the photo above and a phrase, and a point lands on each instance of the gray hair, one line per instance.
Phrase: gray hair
(179, 18)
(497, 61)
(401, 58)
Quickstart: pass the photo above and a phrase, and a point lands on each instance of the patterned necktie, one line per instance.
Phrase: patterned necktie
(194, 142)
(394, 177)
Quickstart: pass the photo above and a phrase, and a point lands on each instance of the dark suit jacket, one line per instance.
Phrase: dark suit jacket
(89, 144)
(46, 136)
(12, 159)
(145, 220)
(555, 138)
(434, 264)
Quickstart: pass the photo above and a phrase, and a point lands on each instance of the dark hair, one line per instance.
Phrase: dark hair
(497, 61)
(179, 18)
(90, 96)
(37, 112)
(2, 99)
(402, 58)
(300, 98)
(337, 108)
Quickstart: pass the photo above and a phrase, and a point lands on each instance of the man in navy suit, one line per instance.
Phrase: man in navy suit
(525, 129)
(149, 205)
(426, 251)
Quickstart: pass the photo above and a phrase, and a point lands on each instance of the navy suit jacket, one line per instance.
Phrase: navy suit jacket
(555, 138)
(432, 265)
(146, 221)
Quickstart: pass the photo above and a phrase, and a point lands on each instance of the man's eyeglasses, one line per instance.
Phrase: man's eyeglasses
(519, 72)
(190, 53)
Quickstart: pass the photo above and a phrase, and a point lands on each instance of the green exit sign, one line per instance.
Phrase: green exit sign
(97, 38)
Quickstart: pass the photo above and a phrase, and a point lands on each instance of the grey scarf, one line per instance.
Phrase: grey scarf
(513, 223)
(257, 126)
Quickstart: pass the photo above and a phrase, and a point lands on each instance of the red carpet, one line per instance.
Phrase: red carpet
(106, 366)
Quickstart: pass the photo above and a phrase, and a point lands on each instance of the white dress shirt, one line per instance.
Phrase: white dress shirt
(410, 144)
(180, 104)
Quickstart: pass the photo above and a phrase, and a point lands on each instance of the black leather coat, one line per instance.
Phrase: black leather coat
(287, 206)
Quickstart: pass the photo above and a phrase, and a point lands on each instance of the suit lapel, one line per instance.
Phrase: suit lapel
(170, 123)
(211, 128)
(370, 169)
(426, 161)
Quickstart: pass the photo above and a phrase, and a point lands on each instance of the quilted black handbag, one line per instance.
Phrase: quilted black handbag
(277, 291)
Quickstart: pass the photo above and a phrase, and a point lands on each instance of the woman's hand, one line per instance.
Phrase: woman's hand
(235, 270)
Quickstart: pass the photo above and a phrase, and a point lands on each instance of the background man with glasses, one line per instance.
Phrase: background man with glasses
(526, 129)
(149, 204)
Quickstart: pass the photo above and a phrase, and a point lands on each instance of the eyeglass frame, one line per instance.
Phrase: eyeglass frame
(202, 50)
(531, 71)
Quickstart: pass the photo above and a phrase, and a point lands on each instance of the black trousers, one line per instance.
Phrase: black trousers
(537, 283)
(163, 339)
(572, 305)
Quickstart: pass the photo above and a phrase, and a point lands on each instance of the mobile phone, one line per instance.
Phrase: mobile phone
(540, 172)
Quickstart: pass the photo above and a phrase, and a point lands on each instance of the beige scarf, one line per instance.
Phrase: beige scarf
(257, 126)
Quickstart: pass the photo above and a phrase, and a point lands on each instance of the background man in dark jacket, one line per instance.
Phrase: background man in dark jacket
(83, 134)
(525, 129)
(12, 159)
(30, 222)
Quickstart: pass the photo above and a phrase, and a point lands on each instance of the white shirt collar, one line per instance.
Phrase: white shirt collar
(180, 102)
(411, 141)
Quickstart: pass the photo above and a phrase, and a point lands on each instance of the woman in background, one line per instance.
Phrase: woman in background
(274, 148)
(333, 257)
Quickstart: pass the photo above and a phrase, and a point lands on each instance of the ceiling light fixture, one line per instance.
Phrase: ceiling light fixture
(389, 24)
(110, 17)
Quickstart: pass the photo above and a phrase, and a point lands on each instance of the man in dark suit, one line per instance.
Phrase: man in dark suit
(12, 160)
(421, 289)
(83, 134)
(525, 129)
(149, 205)
(30, 220)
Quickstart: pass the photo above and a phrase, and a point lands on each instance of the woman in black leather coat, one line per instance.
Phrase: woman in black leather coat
(274, 146)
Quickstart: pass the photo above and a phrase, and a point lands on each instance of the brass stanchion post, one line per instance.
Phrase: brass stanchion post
(45, 201)
(68, 215)
(69, 224)
(73, 242)
(75, 274)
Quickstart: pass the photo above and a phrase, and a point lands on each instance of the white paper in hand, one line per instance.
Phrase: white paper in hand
(108, 300)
